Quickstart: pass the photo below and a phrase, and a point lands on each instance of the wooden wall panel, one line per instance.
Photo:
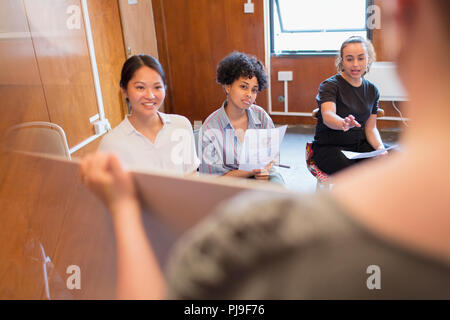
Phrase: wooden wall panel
(196, 35)
(20, 85)
(138, 27)
(308, 73)
(139, 32)
(46, 73)
(163, 49)
(91, 147)
(110, 55)
(64, 65)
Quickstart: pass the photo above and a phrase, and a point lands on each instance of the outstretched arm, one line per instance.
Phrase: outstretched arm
(139, 275)
(335, 122)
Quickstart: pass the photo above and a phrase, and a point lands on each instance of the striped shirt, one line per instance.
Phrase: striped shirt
(221, 146)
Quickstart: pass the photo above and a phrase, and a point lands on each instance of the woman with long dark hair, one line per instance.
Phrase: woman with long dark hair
(148, 139)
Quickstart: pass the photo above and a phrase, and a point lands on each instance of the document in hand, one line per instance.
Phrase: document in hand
(361, 155)
(261, 146)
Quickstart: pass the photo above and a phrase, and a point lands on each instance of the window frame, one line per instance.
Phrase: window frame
(287, 53)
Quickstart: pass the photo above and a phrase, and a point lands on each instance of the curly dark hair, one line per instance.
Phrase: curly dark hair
(238, 64)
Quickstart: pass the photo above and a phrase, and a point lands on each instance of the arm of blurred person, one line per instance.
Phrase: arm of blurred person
(139, 275)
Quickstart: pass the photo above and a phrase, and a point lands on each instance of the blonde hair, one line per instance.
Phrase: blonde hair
(369, 49)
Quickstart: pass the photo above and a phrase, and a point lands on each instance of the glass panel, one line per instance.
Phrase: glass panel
(322, 14)
(322, 41)
(304, 15)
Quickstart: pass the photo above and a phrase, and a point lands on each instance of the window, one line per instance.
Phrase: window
(316, 26)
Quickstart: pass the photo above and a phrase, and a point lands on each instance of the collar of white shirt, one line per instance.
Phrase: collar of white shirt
(129, 129)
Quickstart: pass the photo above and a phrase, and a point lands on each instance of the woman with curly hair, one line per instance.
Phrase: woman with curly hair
(348, 107)
(242, 77)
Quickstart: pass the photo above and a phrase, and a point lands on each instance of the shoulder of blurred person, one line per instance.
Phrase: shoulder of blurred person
(284, 247)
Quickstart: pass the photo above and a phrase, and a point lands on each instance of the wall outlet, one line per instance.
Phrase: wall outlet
(101, 126)
(249, 7)
(284, 75)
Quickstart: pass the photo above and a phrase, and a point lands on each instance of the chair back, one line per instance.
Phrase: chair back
(197, 141)
(37, 137)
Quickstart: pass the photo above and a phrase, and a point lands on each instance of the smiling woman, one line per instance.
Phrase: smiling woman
(148, 139)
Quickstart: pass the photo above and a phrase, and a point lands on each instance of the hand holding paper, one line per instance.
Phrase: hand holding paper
(263, 174)
(261, 148)
(361, 155)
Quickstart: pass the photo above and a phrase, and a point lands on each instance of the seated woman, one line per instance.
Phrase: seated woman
(222, 134)
(148, 139)
(348, 109)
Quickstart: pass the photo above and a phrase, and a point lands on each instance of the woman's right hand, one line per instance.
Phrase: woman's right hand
(349, 122)
(103, 175)
(335, 122)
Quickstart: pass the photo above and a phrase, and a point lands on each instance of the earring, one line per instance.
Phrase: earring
(128, 105)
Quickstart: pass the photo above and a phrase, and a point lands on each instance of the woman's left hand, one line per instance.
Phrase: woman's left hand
(383, 153)
(263, 174)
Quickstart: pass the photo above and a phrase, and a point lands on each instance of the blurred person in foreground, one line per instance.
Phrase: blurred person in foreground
(331, 245)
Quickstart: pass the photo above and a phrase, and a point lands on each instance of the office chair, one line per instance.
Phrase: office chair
(37, 137)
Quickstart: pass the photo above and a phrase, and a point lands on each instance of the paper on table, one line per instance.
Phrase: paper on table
(261, 146)
(361, 155)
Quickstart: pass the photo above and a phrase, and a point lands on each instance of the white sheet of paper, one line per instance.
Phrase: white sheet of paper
(361, 155)
(261, 146)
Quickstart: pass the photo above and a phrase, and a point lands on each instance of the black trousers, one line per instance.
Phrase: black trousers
(330, 159)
